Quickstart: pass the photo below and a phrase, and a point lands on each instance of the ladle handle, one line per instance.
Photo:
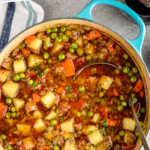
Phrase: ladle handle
(86, 13)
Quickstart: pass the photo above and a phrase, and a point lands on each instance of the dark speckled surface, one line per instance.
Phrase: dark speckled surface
(106, 15)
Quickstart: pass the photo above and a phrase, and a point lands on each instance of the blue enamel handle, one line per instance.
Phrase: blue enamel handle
(138, 41)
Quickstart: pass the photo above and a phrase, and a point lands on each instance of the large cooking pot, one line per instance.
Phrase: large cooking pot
(132, 47)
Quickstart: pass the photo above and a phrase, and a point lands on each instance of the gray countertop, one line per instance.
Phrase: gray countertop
(106, 15)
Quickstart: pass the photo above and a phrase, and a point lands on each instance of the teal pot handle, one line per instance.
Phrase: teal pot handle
(138, 41)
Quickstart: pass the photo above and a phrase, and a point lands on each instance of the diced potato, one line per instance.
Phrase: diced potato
(95, 137)
(66, 135)
(19, 103)
(57, 47)
(70, 145)
(19, 66)
(37, 114)
(39, 125)
(79, 41)
(105, 82)
(90, 128)
(9, 121)
(7, 63)
(10, 89)
(4, 75)
(129, 138)
(96, 118)
(35, 45)
(30, 106)
(28, 143)
(51, 115)
(34, 60)
(24, 129)
(67, 125)
(89, 48)
(48, 99)
(1, 147)
(128, 124)
(49, 135)
(47, 43)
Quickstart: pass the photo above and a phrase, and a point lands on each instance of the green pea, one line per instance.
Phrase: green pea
(78, 114)
(22, 75)
(61, 56)
(46, 56)
(69, 95)
(124, 103)
(57, 110)
(125, 69)
(121, 133)
(71, 50)
(54, 29)
(30, 82)
(63, 29)
(50, 61)
(90, 114)
(56, 147)
(9, 147)
(119, 108)
(13, 109)
(142, 110)
(133, 79)
(20, 46)
(58, 39)
(130, 73)
(48, 31)
(8, 115)
(134, 70)
(117, 71)
(117, 137)
(64, 37)
(88, 58)
(127, 64)
(138, 115)
(81, 88)
(101, 94)
(80, 51)
(141, 123)
(53, 122)
(13, 114)
(125, 56)
(134, 100)
(8, 101)
(53, 35)
(3, 136)
(62, 118)
(122, 97)
(74, 45)
(16, 77)
(137, 133)
(133, 95)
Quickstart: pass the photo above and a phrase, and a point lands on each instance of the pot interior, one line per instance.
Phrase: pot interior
(121, 41)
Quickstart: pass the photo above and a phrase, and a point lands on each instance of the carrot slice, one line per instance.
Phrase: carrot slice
(138, 87)
(32, 73)
(3, 110)
(65, 43)
(29, 39)
(25, 52)
(61, 90)
(68, 67)
(111, 123)
(110, 47)
(36, 98)
(44, 147)
(93, 34)
(116, 93)
(141, 94)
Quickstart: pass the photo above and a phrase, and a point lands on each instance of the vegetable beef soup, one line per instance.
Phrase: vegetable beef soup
(45, 106)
